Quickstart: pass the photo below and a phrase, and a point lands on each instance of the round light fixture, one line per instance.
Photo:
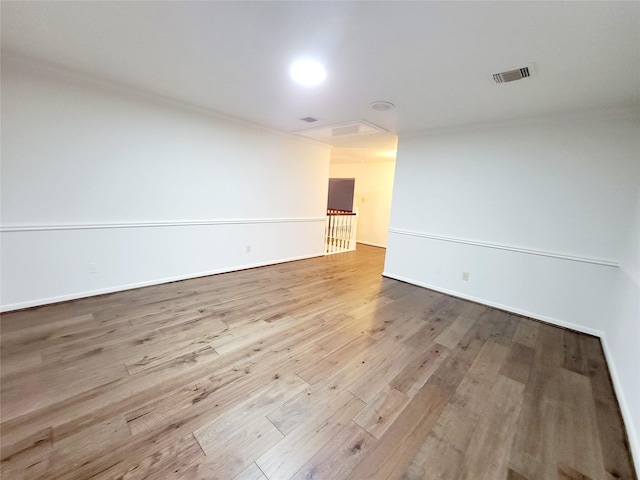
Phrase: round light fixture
(382, 106)
(308, 72)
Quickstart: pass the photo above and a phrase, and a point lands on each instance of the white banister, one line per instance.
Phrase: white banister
(340, 231)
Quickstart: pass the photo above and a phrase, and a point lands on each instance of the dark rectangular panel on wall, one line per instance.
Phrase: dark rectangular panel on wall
(341, 194)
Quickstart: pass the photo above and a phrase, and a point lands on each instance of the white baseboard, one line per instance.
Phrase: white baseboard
(120, 288)
(536, 316)
(372, 244)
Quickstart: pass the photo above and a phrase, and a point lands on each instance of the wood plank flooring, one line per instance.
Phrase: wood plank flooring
(313, 369)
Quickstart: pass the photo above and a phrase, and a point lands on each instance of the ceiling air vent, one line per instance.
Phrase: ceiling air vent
(309, 119)
(511, 75)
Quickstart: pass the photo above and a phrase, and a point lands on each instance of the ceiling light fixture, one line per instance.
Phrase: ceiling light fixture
(382, 106)
(308, 72)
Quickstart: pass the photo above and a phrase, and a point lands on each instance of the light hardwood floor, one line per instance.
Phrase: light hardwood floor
(313, 369)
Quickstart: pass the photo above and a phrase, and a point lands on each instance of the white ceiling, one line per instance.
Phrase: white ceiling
(433, 60)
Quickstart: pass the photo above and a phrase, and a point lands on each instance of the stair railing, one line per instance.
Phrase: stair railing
(340, 231)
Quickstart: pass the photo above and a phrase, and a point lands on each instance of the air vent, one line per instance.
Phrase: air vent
(309, 119)
(382, 106)
(511, 75)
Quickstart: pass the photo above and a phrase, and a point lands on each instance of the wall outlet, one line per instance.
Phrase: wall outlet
(248, 248)
(93, 267)
(438, 270)
(465, 276)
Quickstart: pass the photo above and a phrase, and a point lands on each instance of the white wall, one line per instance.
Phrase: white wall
(622, 331)
(372, 197)
(146, 189)
(538, 212)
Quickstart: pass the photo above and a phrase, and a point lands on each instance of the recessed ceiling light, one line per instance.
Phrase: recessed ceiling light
(308, 72)
(382, 106)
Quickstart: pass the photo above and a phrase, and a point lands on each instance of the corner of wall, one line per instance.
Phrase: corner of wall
(625, 410)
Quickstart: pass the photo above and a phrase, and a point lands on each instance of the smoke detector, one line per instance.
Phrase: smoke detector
(382, 106)
(309, 119)
(513, 75)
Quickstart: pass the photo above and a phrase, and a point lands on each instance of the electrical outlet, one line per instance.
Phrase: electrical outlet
(93, 267)
(465, 276)
(438, 270)
(248, 248)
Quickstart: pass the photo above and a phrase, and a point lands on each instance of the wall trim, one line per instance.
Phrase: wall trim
(372, 244)
(508, 308)
(120, 288)
(125, 89)
(497, 246)
(597, 113)
(190, 223)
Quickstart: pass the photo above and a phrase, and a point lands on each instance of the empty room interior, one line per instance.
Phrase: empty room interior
(180, 300)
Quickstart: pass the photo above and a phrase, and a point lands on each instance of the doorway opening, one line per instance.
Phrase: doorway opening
(369, 161)
(342, 221)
